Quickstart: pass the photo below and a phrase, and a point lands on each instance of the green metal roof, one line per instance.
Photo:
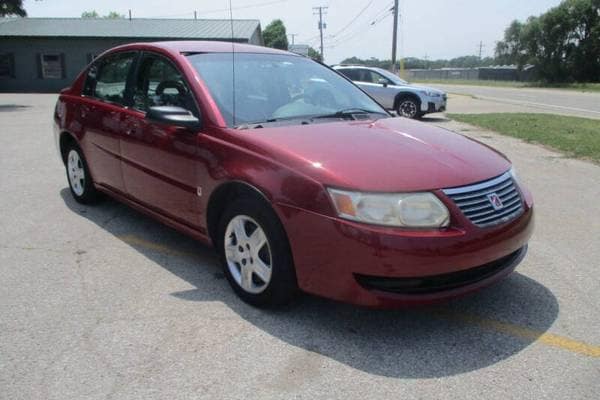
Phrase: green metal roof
(125, 28)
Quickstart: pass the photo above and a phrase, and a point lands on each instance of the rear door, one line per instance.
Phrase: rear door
(158, 160)
(101, 111)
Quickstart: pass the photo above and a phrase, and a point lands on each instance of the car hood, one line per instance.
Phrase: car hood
(388, 155)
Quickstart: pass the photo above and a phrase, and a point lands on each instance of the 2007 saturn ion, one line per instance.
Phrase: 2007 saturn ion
(300, 180)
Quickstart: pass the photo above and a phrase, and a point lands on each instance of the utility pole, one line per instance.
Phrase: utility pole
(395, 36)
(480, 50)
(322, 11)
(293, 35)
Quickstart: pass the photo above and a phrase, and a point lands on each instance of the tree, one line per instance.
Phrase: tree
(563, 43)
(12, 7)
(275, 36)
(90, 14)
(94, 14)
(314, 54)
(114, 15)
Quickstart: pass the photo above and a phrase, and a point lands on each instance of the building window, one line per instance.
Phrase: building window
(52, 66)
(7, 66)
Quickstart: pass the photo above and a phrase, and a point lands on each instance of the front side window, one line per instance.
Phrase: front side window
(351, 74)
(369, 76)
(107, 79)
(7, 65)
(159, 83)
(52, 66)
(273, 86)
(393, 78)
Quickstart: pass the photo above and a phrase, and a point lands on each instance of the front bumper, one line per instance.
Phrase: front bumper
(333, 256)
(433, 104)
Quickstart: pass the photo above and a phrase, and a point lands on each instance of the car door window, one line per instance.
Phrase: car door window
(107, 79)
(351, 74)
(159, 83)
(374, 77)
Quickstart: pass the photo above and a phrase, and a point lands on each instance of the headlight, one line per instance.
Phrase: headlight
(410, 210)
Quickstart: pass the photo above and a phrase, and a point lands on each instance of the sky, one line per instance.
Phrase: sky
(434, 28)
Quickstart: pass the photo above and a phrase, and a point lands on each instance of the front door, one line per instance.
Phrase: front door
(158, 160)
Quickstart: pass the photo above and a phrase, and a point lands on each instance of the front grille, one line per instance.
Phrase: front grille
(440, 283)
(475, 202)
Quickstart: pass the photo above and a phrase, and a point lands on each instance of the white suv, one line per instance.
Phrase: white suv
(394, 93)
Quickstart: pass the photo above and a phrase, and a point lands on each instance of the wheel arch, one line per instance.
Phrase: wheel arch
(406, 95)
(65, 138)
(225, 193)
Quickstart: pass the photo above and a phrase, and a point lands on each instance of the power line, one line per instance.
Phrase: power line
(374, 20)
(361, 29)
(353, 19)
(219, 10)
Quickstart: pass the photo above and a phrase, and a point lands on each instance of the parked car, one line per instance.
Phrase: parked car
(393, 93)
(298, 178)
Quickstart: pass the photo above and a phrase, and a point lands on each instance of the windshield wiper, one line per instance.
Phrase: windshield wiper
(349, 113)
(258, 125)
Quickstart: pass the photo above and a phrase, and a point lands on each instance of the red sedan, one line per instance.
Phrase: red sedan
(298, 178)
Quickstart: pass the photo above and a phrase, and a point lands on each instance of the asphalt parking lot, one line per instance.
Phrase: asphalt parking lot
(104, 303)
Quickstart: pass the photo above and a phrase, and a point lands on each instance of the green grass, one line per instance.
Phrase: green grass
(581, 87)
(576, 137)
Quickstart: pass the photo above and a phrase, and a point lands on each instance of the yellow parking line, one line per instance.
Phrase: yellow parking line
(518, 331)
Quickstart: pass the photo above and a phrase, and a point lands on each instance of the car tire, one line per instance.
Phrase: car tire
(409, 108)
(79, 177)
(255, 254)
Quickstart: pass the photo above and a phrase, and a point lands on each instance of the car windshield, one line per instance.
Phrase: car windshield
(273, 87)
(392, 77)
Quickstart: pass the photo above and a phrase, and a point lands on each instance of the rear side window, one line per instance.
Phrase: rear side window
(107, 79)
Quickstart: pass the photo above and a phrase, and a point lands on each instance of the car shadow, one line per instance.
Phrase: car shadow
(459, 336)
(436, 118)
(13, 107)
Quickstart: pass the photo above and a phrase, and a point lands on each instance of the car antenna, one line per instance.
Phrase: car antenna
(232, 58)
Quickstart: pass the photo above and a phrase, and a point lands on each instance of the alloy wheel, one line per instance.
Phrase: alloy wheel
(248, 254)
(76, 172)
(408, 109)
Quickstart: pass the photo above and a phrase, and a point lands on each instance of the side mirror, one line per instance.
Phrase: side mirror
(383, 82)
(172, 115)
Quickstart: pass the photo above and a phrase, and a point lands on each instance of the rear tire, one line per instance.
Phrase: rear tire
(255, 254)
(79, 177)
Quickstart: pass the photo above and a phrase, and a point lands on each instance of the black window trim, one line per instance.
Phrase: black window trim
(61, 60)
(128, 82)
(134, 77)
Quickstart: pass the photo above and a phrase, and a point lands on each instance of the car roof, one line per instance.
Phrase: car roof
(352, 66)
(203, 46)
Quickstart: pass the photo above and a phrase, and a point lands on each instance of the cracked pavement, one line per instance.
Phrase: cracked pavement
(104, 303)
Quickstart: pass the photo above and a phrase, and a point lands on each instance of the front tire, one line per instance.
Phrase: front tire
(78, 176)
(409, 108)
(255, 254)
